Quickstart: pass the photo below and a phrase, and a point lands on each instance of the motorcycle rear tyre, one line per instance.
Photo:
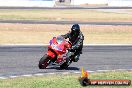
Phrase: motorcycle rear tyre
(64, 66)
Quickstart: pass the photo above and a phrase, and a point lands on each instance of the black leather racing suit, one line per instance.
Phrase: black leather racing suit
(77, 43)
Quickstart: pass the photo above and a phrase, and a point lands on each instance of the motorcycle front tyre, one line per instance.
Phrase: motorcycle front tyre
(44, 62)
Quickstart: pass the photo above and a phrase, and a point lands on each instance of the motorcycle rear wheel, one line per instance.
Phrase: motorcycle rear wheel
(44, 62)
(65, 65)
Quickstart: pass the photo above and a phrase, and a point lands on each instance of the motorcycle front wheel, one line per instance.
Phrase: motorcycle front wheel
(44, 62)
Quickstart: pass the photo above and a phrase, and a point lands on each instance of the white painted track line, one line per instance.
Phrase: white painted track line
(63, 73)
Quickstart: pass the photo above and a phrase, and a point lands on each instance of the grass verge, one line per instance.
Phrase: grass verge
(63, 81)
(68, 15)
(41, 34)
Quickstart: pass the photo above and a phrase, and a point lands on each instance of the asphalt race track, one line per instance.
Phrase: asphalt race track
(64, 22)
(69, 7)
(20, 60)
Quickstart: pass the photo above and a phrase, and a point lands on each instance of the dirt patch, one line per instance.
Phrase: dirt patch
(42, 33)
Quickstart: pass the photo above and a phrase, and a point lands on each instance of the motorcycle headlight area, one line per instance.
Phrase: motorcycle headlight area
(56, 47)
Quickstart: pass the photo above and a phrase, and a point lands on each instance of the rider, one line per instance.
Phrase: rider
(76, 38)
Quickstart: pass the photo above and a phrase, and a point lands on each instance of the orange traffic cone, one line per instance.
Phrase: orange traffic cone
(84, 73)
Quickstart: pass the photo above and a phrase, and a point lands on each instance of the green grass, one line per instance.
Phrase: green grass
(76, 15)
(63, 81)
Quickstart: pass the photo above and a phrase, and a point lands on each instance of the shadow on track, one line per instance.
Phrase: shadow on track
(69, 68)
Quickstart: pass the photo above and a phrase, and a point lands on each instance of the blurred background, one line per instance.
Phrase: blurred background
(26, 26)
(52, 3)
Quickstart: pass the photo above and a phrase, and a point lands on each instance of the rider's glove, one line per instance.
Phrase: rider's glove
(69, 49)
(72, 49)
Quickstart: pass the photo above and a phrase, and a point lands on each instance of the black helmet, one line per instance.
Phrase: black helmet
(75, 29)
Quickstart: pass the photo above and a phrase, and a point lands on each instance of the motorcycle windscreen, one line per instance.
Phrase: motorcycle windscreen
(58, 44)
(61, 43)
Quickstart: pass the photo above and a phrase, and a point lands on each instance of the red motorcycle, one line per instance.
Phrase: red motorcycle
(57, 53)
